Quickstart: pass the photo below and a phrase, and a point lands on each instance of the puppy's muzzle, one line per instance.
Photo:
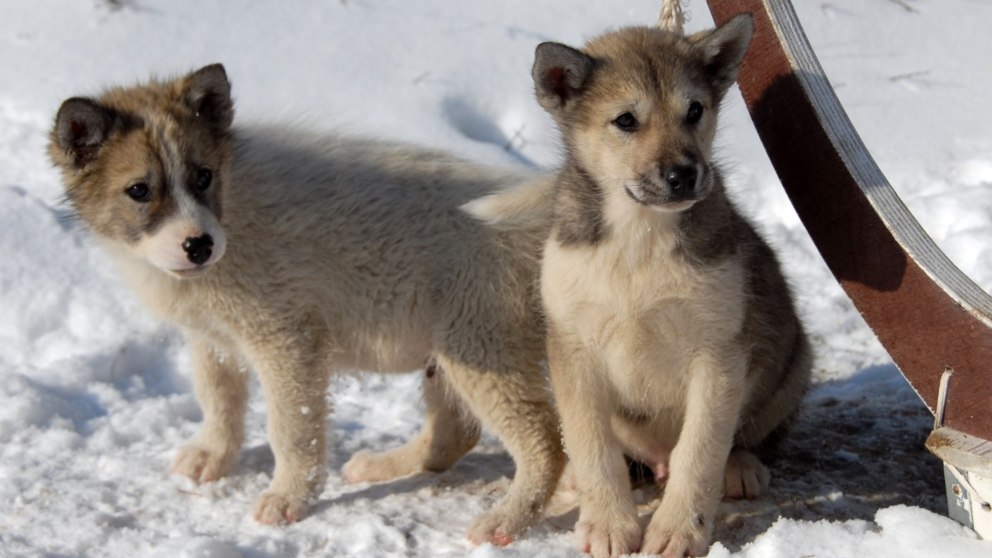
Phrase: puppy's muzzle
(199, 249)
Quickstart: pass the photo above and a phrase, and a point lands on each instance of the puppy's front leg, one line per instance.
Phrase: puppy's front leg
(221, 387)
(682, 525)
(294, 382)
(607, 523)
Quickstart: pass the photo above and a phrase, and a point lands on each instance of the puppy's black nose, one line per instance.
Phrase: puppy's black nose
(199, 249)
(681, 178)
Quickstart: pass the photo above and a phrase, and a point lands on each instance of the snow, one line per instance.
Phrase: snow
(95, 394)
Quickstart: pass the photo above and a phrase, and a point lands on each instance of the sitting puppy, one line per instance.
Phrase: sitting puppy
(672, 335)
(295, 254)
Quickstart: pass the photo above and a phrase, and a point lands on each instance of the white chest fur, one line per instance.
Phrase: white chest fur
(643, 308)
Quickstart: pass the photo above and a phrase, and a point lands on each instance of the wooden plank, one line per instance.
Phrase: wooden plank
(927, 314)
(962, 450)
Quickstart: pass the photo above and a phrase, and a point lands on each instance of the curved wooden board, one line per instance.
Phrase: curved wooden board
(928, 315)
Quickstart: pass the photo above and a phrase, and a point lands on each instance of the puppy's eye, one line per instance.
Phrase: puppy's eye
(626, 122)
(695, 112)
(139, 192)
(203, 179)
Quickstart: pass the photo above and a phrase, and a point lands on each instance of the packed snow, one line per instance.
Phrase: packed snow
(95, 393)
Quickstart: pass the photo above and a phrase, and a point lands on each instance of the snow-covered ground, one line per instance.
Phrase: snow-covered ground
(95, 394)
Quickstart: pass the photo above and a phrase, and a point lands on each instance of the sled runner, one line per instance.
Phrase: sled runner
(931, 318)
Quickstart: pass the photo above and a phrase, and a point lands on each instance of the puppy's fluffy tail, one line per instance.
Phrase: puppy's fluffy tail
(525, 205)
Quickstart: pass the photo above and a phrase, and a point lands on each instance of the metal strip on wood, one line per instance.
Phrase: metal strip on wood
(928, 315)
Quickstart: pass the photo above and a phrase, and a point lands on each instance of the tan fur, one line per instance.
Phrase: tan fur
(340, 254)
(671, 332)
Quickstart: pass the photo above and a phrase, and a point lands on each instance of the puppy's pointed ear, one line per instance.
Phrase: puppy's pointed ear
(208, 94)
(559, 74)
(723, 49)
(81, 126)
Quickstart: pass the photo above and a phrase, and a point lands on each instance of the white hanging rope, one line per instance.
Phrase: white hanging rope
(672, 16)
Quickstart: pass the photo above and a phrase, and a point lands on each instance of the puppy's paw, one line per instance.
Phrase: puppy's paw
(202, 464)
(608, 534)
(273, 508)
(499, 527)
(745, 476)
(673, 535)
(375, 467)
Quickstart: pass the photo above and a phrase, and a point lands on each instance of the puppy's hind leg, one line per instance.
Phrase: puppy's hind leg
(517, 407)
(222, 390)
(767, 422)
(746, 476)
(449, 432)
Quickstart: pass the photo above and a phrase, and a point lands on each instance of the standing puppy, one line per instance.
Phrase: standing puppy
(672, 333)
(295, 254)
